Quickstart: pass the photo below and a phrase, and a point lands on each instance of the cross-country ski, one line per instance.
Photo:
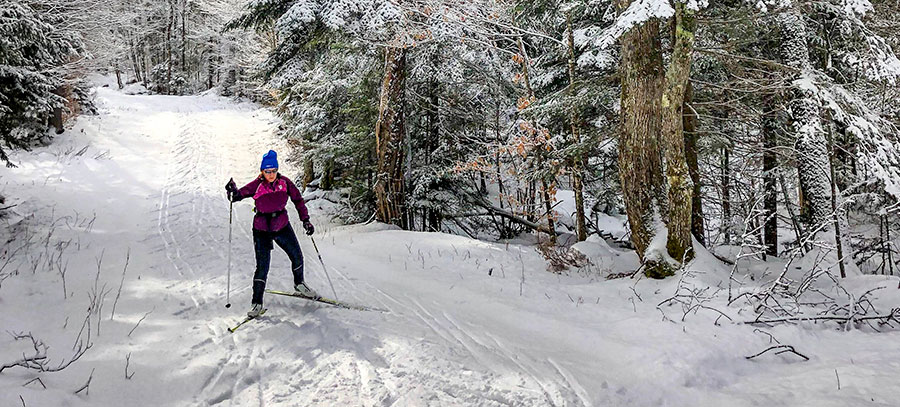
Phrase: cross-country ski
(246, 320)
(325, 300)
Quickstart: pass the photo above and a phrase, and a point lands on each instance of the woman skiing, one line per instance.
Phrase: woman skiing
(271, 192)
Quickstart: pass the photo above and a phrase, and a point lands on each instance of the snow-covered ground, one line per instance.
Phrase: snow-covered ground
(466, 322)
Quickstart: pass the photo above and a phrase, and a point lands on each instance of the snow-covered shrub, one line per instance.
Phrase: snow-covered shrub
(168, 81)
(31, 84)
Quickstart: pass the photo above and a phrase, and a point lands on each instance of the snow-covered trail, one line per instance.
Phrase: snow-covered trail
(467, 322)
(160, 198)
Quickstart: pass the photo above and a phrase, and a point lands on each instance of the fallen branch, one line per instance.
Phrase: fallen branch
(894, 315)
(493, 210)
(39, 360)
(127, 363)
(783, 349)
(139, 322)
(121, 283)
(86, 387)
(36, 379)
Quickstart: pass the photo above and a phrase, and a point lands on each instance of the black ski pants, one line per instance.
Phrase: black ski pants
(262, 243)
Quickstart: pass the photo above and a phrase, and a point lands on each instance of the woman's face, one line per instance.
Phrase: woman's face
(270, 174)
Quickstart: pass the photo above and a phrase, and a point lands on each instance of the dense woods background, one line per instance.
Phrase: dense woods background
(771, 126)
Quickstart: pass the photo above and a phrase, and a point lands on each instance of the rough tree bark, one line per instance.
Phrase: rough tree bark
(134, 60)
(726, 195)
(328, 175)
(811, 146)
(770, 178)
(118, 74)
(145, 62)
(56, 115)
(577, 164)
(389, 134)
(691, 139)
(309, 173)
(640, 166)
(680, 185)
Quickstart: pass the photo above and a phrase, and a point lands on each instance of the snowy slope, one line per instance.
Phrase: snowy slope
(466, 323)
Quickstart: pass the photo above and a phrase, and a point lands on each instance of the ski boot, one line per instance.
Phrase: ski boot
(255, 311)
(303, 290)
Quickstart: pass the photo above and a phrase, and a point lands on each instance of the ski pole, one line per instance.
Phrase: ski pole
(230, 214)
(325, 269)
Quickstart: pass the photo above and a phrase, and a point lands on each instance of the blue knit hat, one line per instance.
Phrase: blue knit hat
(270, 160)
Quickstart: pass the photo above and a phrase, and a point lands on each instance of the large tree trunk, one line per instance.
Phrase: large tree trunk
(145, 62)
(680, 185)
(838, 237)
(770, 178)
(577, 164)
(210, 71)
(811, 146)
(309, 173)
(56, 115)
(328, 175)
(640, 169)
(389, 138)
(691, 139)
(134, 61)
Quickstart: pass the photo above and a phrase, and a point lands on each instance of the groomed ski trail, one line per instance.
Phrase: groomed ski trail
(305, 351)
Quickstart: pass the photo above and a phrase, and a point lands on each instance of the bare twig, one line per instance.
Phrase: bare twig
(36, 379)
(893, 316)
(127, 362)
(121, 283)
(86, 387)
(781, 349)
(39, 360)
(139, 321)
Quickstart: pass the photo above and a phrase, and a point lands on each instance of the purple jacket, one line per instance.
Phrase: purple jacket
(271, 200)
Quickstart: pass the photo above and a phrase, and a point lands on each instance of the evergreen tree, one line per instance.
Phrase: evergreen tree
(32, 53)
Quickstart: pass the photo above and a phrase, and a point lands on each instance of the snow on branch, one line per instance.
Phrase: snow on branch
(857, 7)
(299, 15)
(638, 12)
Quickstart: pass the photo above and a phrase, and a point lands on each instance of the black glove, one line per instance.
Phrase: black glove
(232, 191)
(308, 227)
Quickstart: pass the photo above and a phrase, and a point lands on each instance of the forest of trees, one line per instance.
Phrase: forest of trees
(715, 122)
(50, 47)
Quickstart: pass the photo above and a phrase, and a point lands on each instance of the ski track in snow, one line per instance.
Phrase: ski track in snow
(190, 209)
(410, 355)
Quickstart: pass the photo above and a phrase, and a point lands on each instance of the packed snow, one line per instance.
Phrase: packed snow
(464, 322)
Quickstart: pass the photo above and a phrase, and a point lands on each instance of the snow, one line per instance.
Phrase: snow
(857, 7)
(468, 322)
(297, 18)
(636, 14)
